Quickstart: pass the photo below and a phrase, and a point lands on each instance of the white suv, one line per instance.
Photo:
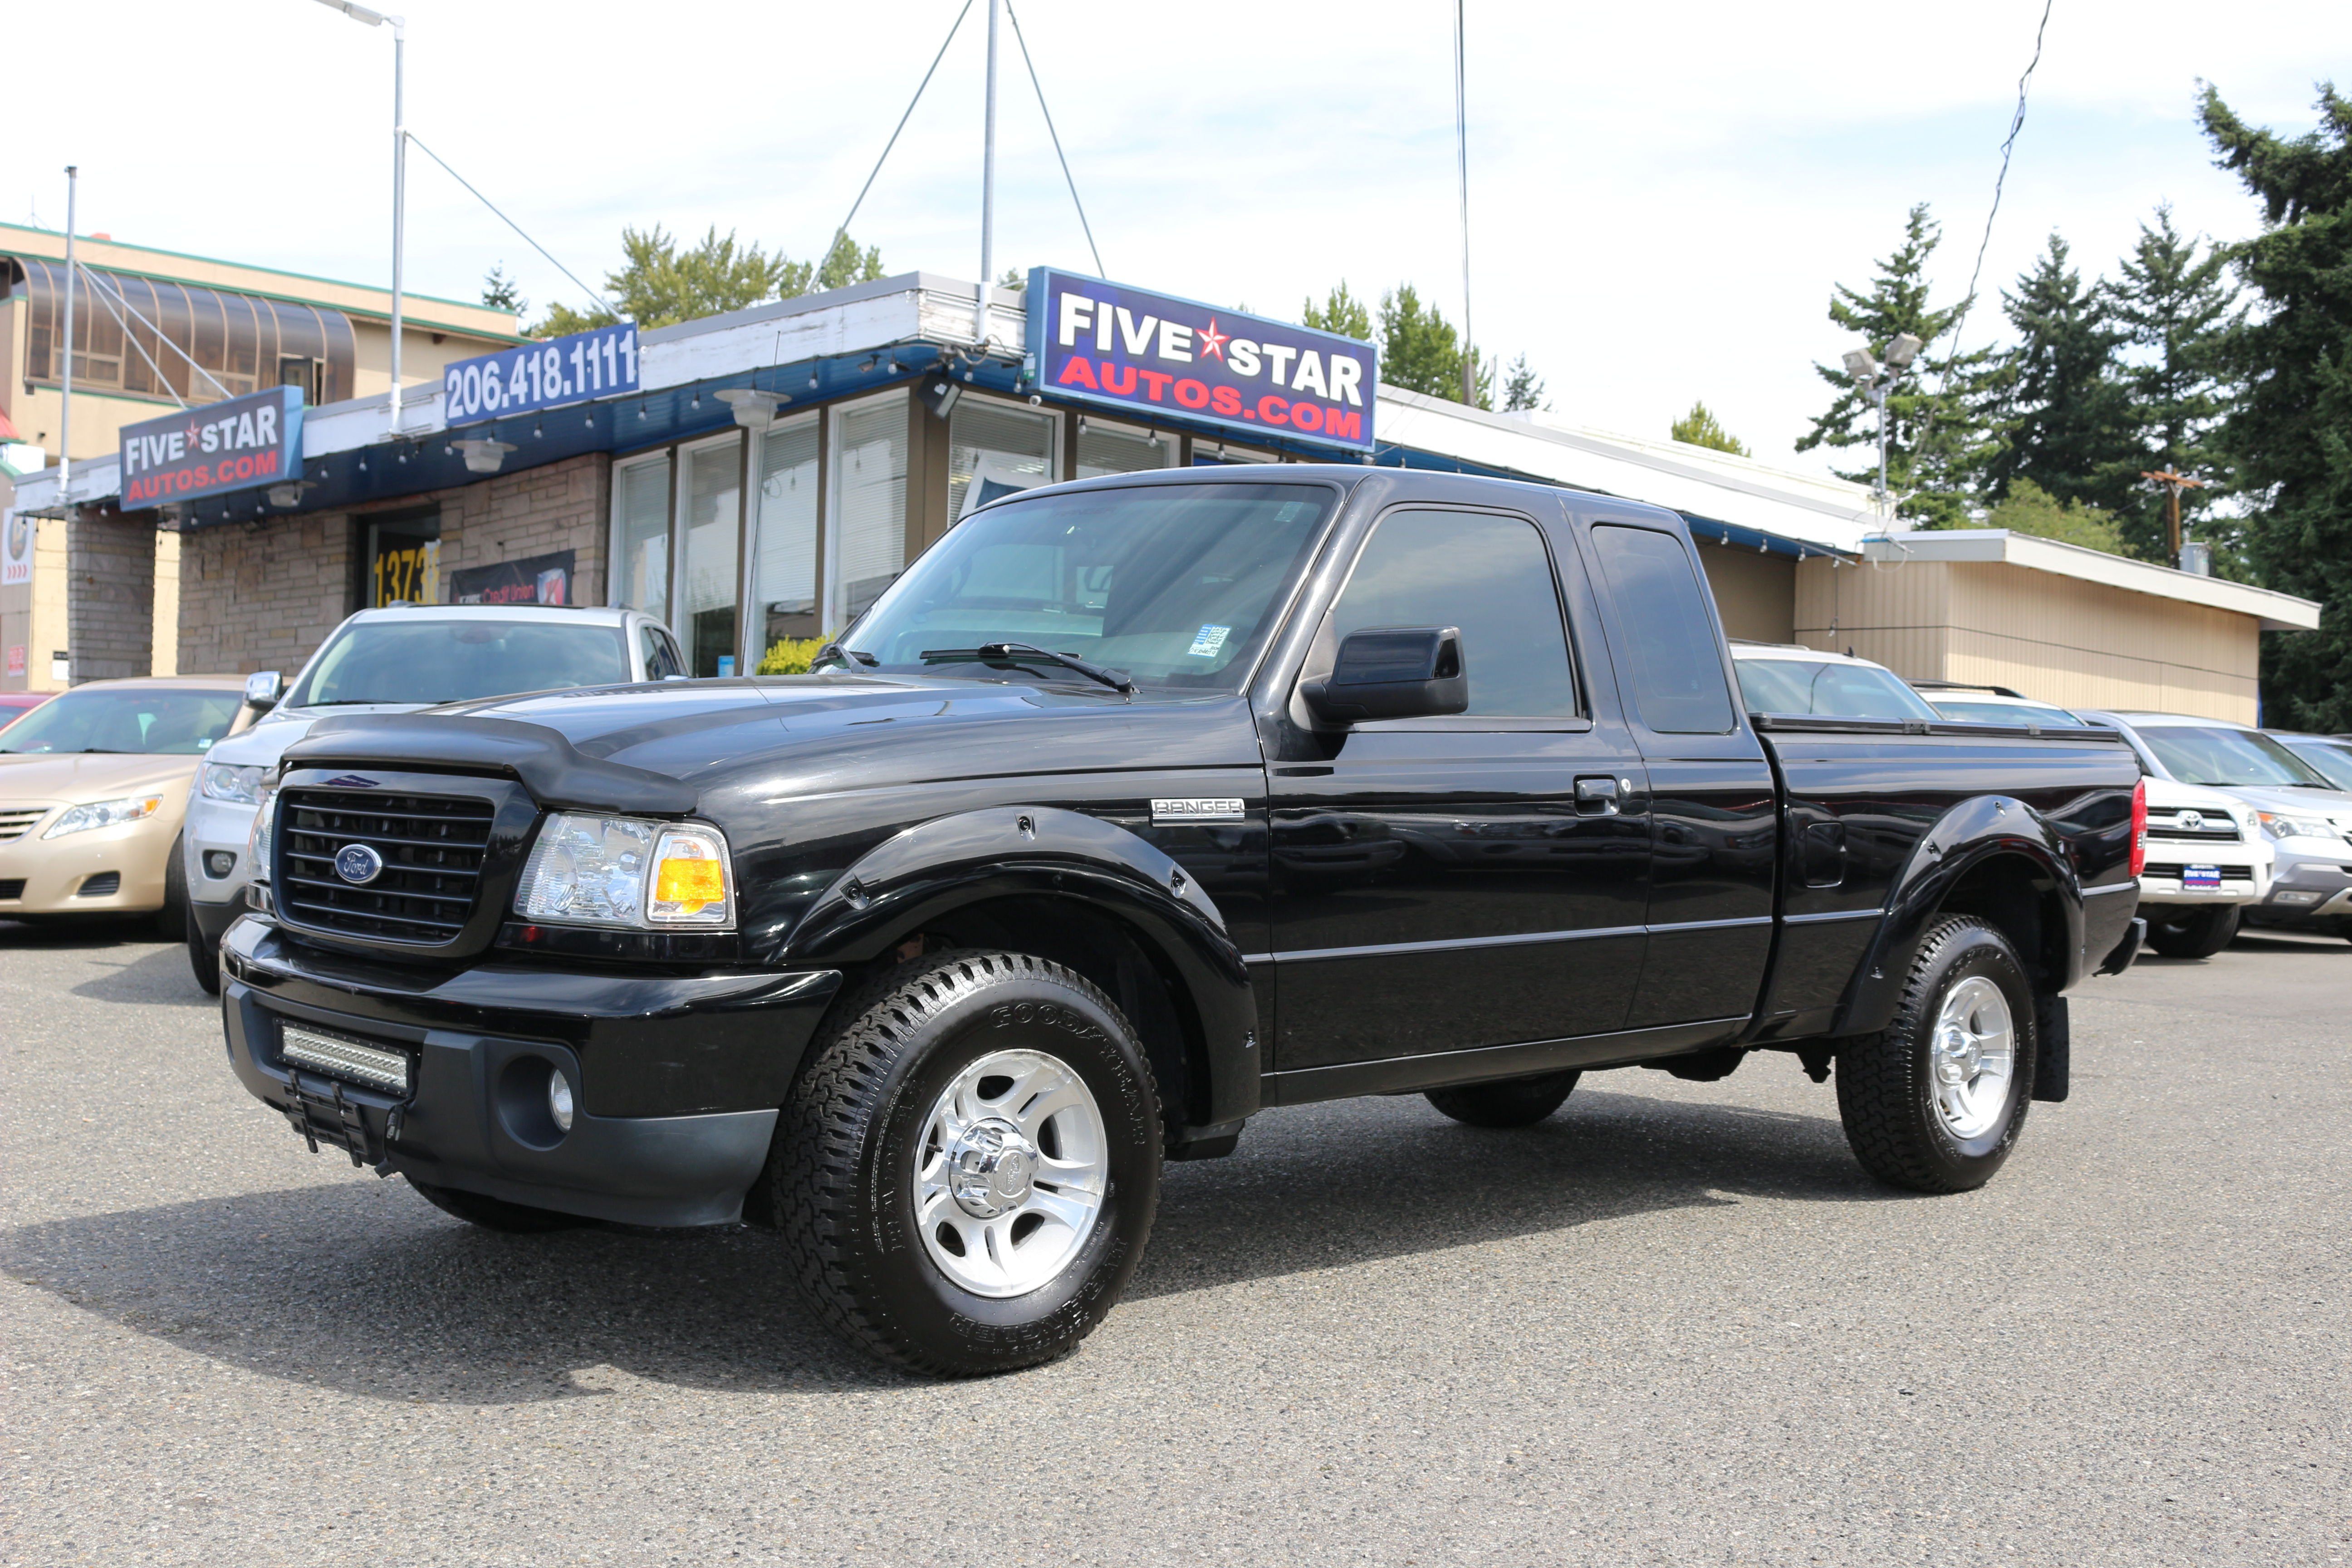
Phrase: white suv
(393, 661)
(2208, 857)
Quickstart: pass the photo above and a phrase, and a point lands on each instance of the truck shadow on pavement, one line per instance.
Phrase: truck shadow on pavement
(358, 1285)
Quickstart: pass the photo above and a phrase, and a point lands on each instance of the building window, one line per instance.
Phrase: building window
(783, 540)
(1120, 449)
(243, 342)
(641, 536)
(994, 450)
(868, 548)
(710, 529)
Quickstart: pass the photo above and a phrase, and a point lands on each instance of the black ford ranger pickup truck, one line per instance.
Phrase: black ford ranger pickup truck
(1133, 808)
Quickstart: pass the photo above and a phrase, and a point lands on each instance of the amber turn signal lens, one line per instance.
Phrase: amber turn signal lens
(696, 881)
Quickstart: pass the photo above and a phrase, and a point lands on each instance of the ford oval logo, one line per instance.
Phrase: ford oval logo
(358, 863)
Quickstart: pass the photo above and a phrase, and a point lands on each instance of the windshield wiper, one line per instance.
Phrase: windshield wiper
(834, 650)
(1021, 652)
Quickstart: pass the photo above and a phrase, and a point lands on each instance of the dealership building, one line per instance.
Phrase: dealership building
(762, 475)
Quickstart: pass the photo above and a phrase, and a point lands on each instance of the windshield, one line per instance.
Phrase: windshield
(2332, 758)
(454, 660)
(2220, 756)
(1174, 585)
(1968, 713)
(156, 721)
(1829, 690)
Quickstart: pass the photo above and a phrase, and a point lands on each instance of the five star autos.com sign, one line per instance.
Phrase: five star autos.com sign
(1154, 354)
(234, 445)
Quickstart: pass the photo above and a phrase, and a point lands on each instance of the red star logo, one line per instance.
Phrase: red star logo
(1213, 341)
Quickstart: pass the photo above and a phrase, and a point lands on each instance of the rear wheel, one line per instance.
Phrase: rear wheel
(967, 1170)
(1934, 1101)
(2193, 932)
(1510, 1102)
(496, 1213)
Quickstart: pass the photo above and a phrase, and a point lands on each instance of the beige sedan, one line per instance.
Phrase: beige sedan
(93, 788)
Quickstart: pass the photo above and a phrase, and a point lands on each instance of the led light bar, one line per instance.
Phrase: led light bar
(340, 1056)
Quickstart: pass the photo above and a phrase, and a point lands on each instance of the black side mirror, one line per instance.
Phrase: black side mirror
(1414, 672)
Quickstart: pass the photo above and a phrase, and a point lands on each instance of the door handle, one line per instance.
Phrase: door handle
(1596, 795)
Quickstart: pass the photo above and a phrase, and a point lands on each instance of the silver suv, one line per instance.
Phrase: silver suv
(393, 661)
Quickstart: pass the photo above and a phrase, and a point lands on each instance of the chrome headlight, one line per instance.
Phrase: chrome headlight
(2286, 825)
(229, 782)
(104, 814)
(627, 871)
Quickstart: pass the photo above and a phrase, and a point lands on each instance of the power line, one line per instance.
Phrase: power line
(602, 303)
(1057, 138)
(894, 135)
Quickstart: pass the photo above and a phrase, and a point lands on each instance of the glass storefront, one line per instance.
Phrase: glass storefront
(783, 533)
(711, 523)
(995, 448)
(869, 511)
(641, 535)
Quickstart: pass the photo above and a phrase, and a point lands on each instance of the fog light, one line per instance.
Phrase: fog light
(559, 1101)
(219, 863)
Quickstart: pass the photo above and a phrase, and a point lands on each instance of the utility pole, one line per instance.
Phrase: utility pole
(1462, 166)
(2173, 484)
(987, 187)
(65, 413)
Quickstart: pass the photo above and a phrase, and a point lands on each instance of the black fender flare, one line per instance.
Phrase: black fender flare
(929, 871)
(1973, 832)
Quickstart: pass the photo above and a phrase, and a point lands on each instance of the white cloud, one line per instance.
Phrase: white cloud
(1660, 197)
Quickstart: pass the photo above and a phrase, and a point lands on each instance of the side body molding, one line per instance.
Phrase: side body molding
(1973, 832)
(926, 873)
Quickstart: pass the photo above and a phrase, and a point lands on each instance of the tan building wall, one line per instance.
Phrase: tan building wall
(264, 596)
(2060, 639)
(1754, 593)
(33, 614)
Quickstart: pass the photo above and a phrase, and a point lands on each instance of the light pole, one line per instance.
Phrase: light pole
(1876, 380)
(987, 187)
(358, 13)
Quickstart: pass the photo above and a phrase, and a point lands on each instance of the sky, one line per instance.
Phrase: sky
(1661, 197)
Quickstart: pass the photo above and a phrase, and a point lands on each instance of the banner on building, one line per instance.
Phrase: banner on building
(18, 533)
(571, 369)
(1158, 355)
(234, 445)
(535, 580)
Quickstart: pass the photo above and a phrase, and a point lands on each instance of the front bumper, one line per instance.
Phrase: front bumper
(2305, 891)
(678, 1077)
(54, 872)
(216, 828)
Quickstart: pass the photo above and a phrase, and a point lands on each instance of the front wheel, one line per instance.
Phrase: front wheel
(1934, 1101)
(968, 1167)
(2194, 933)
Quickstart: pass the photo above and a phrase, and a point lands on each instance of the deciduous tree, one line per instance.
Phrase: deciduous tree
(659, 285)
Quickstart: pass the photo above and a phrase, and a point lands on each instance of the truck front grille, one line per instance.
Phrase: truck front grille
(432, 848)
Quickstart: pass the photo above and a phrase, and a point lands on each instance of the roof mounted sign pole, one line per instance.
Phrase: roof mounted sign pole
(987, 187)
(65, 413)
(360, 13)
(1461, 164)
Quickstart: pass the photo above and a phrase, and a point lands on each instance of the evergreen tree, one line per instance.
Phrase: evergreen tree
(1420, 351)
(1700, 428)
(1934, 434)
(659, 285)
(500, 292)
(2290, 434)
(1341, 313)
(2064, 418)
(2178, 309)
(1522, 387)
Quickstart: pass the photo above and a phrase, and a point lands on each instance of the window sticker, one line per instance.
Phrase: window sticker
(1209, 641)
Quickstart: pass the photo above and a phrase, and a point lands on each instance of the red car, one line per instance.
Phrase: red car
(14, 705)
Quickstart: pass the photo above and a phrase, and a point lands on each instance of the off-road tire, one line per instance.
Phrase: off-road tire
(841, 1174)
(2194, 933)
(1886, 1085)
(496, 1213)
(1507, 1102)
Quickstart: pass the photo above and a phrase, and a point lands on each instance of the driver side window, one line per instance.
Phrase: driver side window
(1491, 576)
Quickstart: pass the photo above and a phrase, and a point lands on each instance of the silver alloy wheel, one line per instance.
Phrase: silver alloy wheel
(1010, 1180)
(1974, 1056)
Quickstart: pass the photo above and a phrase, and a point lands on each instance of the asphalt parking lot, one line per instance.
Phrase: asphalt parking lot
(1673, 1324)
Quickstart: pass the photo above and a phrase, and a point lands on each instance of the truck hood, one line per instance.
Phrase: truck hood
(807, 734)
(78, 778)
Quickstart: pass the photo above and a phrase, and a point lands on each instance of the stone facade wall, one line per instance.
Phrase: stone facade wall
(110, 620)
(263, 595)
